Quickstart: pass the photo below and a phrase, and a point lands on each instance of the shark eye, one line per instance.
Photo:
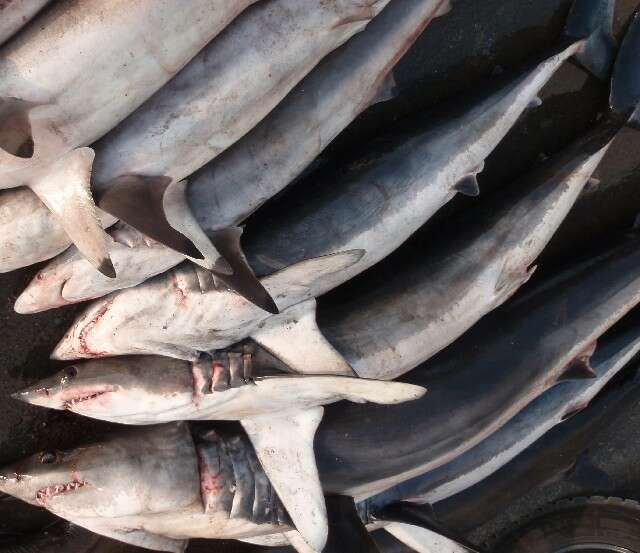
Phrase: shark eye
(70, 372)
(48, 457)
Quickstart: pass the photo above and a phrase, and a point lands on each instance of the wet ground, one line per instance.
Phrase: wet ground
(477, 40)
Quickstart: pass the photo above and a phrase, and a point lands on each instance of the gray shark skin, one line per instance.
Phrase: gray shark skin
(488, 255)
(15, 15)
(374, 210)
(557, 323)
(485, 372)
(259, 165)
(551, 458)
(380, 202)
(51, 111)
(151, 390)
(200, 113)
(548, 411)
(154, 487)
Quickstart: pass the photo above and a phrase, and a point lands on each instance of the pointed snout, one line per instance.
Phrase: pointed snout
(13, 482)
(48, 392)
(67, 349)
(40, 295)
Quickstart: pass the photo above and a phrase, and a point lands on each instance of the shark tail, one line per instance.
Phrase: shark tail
(34, 154)
(158, 207)
(593, 20)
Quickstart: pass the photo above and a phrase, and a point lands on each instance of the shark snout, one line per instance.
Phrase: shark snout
(41, 294)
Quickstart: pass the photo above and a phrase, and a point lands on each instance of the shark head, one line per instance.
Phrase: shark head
(46, 289)
(137, 471)
(116, 389)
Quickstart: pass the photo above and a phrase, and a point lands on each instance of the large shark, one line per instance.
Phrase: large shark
(558, 324)
(560, 455)
(551, 409)
(258, 166)
(411, 181)
(72, 75)
(16, 14)
(139, 167)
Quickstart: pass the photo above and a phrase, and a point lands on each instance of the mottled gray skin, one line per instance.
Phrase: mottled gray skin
(486, 373)
(15, 14)
(374, 210)
(211, 103)
(154, 487)
(546, 412)
(259, 165)
(487, 256)
(382, 201)
(277, 151)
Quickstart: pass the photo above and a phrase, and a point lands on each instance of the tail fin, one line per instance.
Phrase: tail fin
(243, 280)
(593, 20)
(625, 83)
(33, 153)
(139, 202)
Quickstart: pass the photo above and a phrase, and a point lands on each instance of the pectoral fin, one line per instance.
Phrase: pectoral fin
(422, 540)
(139, 201)
(284, 446)
(243, 280)
(65, 188)
(294, 338)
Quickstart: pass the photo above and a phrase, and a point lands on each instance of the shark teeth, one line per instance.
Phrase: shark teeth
(43, 495)
(70, 403)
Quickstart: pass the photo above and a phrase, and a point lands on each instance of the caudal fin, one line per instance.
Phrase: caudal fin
(242, 280)
(593, 20)
(34, 154)
(625, 83)
(65, 190)
(139, 202)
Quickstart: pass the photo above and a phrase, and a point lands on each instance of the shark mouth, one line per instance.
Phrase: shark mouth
(71, 403)
(43, 495)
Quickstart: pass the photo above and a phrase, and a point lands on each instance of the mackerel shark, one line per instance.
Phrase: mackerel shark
(238, 181)
(139, 167)
(394, 326)
(50, 110)
(16, 14)
(279, 412)
(558, 324)
(99, 488)
(412, 180)
(551, 409)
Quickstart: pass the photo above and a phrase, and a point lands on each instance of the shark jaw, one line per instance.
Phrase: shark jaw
(43, 495)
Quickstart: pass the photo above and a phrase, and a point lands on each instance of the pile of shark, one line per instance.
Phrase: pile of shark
(250, 417)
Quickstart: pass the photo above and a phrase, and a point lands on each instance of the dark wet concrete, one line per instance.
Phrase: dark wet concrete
(478, 39)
